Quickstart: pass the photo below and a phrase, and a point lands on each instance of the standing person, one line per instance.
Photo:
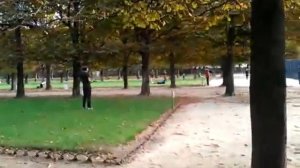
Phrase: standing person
(207, 75)
(247, 73)
(87, 89)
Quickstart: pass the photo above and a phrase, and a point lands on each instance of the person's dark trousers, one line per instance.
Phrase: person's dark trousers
(207, 81)
(86, 101)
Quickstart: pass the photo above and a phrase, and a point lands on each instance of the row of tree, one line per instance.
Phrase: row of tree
(114, 33)
(118, 33)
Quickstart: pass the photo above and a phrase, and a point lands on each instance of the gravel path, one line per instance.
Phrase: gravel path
(214, 133)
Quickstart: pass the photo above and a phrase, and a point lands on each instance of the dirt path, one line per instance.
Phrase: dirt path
(156, 91)
(214, 133)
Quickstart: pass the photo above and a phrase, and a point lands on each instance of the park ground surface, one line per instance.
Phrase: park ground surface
(59, 123)
(212, 133)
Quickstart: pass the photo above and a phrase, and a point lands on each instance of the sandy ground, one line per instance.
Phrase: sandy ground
(214, 133)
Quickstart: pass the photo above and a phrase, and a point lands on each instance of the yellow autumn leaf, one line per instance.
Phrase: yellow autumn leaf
(194, 5)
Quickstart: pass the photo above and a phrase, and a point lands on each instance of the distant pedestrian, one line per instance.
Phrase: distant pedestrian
(87, 89)
(207, 76)
(247, 73)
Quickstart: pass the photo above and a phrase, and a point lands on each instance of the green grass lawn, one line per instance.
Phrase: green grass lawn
(60, 123)
(113, 83)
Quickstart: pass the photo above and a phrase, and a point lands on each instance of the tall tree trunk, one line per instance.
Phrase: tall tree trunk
(76, 59)
(8, 79)
(195, 73)
(13, 82)
(125, 65)
(101, 75)
(48, 76)
(125, 70)
(26, 78)
(229, 91)
(20, 80)
(125, 76)
(76, 79)
(267, 85)
(172, 70)
(61, 77)
(145, 89)
(144, 38)
(225, 71)
(20, 68)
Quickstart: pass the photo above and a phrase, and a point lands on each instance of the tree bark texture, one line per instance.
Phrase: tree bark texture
(101, 75)
(76, 79)
(61, 77)
(267, 85)
(20, 68)
(13, 82)
(48, 76)
(145, 89)
(144, 39)
(8, 76)
(125, 70)
(225, 71)
(229, 91)
(26, 78)
(76, 59)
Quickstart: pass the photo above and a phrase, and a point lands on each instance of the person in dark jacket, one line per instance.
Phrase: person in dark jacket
(87, 89)
(247, 72)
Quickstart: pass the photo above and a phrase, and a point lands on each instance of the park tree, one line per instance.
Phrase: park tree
(48, 46)
(236, 20)
(15, 17)
(292, 21)
(151, 19)
(241, 32)
(181, 48)
(267, 85)
(70, 14)
(128, 49)
(80, 17)
(147, 19)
